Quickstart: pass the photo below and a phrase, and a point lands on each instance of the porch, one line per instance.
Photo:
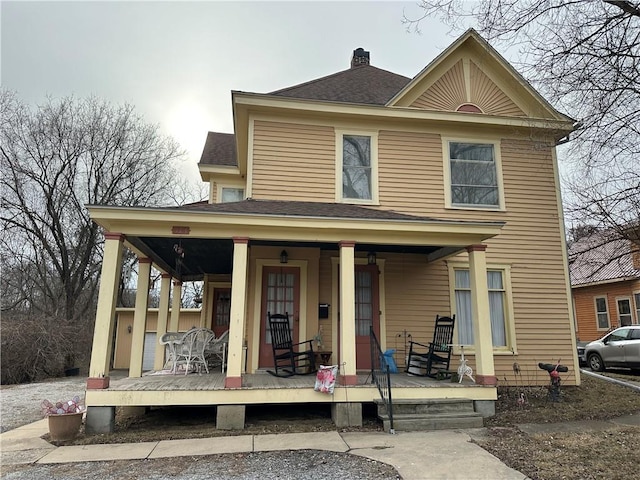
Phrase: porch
(366, 267)
(262, 389)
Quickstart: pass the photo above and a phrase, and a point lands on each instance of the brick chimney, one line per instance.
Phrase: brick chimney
(360, 57)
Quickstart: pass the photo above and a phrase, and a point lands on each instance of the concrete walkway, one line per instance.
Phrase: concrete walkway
(445, 454)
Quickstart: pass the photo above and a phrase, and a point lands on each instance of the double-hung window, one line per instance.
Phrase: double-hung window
(357, 168)
(474, 174)
(602, 314)
(499, 310)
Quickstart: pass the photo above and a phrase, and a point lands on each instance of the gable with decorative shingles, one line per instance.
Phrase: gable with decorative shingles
(470, 76)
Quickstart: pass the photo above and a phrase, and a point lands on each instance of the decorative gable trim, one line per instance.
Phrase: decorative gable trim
(467, 63)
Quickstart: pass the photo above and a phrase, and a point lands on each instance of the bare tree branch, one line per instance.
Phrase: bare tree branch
(55, 159)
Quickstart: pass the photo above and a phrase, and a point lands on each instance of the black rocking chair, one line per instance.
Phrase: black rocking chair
(433, 360)
(289, 358)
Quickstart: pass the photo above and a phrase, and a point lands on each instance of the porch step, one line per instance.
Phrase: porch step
(412, 415)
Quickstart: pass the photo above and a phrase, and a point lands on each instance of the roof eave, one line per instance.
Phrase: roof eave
(138, 221)
(249, 102)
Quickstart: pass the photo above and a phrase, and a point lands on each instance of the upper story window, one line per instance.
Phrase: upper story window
(357, 168)
(474, 175)
(231, 194)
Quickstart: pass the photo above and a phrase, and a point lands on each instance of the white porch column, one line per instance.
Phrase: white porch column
(106, 311)
(176, 302)
(140, 317)
(485, 371)
(237, 313)
(203, 305)
(348, 313)
(163, 317)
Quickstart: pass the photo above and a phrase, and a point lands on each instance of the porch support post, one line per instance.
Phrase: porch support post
(106, 312)
(347, 313)
(176, 301)
(483, 344)
(203, 304)
(140, 317)
(163, 317)
(237, 313)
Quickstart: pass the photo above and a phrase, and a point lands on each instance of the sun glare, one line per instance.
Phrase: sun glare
(188, 123)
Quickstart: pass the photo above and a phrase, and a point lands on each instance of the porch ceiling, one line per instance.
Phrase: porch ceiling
(215, 256)
(205, 231)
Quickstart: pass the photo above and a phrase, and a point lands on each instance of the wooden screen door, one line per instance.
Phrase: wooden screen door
(367, 312)
(280, 294)
(221, 310)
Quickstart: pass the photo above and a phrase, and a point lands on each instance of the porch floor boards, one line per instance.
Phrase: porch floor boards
(259, 381)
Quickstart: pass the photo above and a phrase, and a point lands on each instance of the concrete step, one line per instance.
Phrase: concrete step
(420, 423)
(411, 415)
(427, 406)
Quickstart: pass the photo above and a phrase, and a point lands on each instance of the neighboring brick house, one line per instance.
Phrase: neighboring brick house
(360, 199)
(605, 283)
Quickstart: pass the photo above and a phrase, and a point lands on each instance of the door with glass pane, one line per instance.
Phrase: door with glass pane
(280, 294)
(625, 317)
(367, 312)
(221, 310)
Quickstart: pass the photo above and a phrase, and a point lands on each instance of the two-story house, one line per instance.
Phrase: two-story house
(356, 200)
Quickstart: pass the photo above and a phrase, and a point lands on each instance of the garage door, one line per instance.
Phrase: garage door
(149, 352)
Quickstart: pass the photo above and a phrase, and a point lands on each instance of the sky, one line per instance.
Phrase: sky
(177, 62)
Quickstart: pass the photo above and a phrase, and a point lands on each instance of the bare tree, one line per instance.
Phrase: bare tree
(584, 56)
(55, 159)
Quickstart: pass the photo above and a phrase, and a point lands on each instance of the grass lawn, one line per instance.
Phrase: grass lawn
(611, 453)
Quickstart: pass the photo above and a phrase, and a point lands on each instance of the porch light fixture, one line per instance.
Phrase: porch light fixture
(284, 256)
(371, 258)
(129, 328)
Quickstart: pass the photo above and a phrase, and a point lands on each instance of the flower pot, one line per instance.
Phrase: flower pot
(65, 426)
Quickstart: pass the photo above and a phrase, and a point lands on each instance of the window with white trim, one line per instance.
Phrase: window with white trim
(473, 174)
(357, 168)
(636, 299)
(498, 307)
(602, 313)
(228, 194)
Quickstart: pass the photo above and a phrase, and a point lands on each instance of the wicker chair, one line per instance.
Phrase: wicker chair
(190, 352)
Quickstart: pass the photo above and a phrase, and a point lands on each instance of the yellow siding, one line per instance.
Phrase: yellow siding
(411, 181)
(488, 96)
(293, 162)
(324, 296)
(447, 94)
(410, 170)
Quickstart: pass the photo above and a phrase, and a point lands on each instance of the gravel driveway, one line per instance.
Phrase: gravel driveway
(21, 405)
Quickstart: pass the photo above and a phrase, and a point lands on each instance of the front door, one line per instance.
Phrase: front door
(221, 310)
(280, 294)
(367, 312)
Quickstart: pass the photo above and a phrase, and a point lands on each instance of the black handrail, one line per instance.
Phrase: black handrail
(381, 376)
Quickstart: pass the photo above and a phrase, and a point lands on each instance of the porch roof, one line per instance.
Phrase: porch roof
(206, 231)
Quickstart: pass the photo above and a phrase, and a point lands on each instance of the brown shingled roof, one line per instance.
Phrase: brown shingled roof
(301, 209)
(219, 149)
(363, 84)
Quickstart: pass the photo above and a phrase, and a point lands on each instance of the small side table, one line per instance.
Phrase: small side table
(323, 357)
